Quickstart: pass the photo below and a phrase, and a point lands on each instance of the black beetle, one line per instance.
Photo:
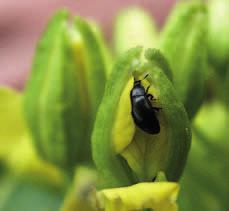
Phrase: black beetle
(143, 113)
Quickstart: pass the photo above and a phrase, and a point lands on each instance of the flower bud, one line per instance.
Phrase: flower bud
(134, 27)
(183, 42)
(124, 154)
(64, 91)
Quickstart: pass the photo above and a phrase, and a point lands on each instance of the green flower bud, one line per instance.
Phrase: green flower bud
(122, 152)
(183, 41)
(218, 42)
(64, 91)
(134, 27)
(206, 170)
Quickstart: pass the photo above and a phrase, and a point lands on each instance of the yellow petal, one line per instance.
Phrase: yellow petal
(145, 153)
(159, 196)
(12, 126)
(23, 160)
(15, 144)
(124, 128)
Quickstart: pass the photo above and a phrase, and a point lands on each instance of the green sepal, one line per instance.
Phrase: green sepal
(158, 59)
(112, 171)
(184, 44)
(160, 177)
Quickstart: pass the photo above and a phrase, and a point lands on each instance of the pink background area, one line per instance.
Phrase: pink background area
(22, 21)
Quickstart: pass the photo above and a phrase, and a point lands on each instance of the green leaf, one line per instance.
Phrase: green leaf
(123, 153)
(134, 27)
(184, 44)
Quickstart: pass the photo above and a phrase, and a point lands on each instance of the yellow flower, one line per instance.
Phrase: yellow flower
(16, 149)
(159, 196)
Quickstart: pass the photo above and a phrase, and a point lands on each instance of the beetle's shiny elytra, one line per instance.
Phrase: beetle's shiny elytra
(143, 113)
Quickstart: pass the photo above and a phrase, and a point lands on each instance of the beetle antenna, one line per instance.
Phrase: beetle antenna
(146, 76)
(135, 81)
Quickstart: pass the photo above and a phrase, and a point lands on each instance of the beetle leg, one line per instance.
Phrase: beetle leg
(150, 97)
(157, 109)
